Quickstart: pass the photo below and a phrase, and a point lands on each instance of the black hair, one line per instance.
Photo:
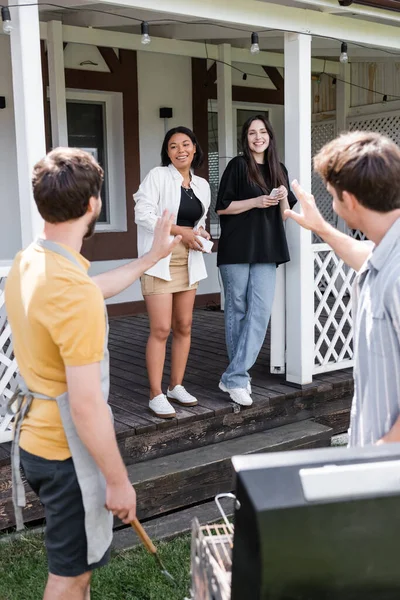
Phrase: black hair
(198, 157)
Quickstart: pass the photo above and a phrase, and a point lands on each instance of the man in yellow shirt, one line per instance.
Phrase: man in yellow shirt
(64, 436)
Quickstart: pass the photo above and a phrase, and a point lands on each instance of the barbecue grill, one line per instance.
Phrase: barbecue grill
(319, 524)
(309, 525)
(211, 558)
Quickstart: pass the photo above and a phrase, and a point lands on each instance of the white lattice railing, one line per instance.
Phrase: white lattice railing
(333, 324)
(8, 365)
(322, 133)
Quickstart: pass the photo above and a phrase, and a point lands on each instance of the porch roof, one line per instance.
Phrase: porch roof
(327, 21)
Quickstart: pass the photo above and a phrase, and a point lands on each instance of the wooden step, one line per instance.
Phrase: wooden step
(172, 482)
(186, 478)
(167, 527)
(324, 403)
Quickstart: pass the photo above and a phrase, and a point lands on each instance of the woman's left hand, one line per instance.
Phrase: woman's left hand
(203, 233)
(282, 193)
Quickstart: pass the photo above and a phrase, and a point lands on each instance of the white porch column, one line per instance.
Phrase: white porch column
(225, 118)
(278, 324)
(28, 110)
(343, 92)
(58, 103)
(343, 102)
(299, 271)
(224, 105)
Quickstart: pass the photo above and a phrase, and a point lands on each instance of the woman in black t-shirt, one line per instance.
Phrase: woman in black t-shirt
(253, 194)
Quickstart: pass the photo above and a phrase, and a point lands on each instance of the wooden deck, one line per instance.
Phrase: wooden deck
(144, 437)
(207, 361)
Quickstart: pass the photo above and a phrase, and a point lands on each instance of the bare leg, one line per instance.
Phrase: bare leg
(182, 315)
(87, 595)
(67, 588)
(159, 308)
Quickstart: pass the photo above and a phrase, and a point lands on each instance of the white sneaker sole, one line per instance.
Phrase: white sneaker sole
(163, 415)
(223, 388)
(181, 403)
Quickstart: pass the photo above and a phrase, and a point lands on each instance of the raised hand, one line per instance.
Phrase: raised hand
(309, 217)
(162, 245)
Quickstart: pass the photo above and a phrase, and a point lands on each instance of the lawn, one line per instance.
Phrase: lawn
(131, 575)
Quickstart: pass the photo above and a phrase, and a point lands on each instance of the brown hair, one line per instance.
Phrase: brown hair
(63, 183)
(364, 164)
(270, 158)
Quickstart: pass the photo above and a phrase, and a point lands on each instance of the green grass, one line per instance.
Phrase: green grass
(130, 575)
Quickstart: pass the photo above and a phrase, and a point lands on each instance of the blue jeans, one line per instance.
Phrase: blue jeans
(249, 293)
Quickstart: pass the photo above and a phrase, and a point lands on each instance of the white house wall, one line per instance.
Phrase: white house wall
(323, 94)
(132, 294)
(380, 76)
(76, 54)
(366, 76)
(256, 76)
(163, 81)
(10, 231)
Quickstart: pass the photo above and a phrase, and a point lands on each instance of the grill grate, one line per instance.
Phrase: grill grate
(211, 561)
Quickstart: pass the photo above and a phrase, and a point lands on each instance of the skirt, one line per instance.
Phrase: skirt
(179, 273)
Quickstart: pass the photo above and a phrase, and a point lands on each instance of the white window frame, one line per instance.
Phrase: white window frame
(114, 151)
(270, 108)
(249, 106)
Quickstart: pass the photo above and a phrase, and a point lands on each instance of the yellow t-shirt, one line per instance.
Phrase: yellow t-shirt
(56, 313)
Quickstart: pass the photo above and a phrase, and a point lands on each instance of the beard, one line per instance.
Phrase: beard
(91, 227)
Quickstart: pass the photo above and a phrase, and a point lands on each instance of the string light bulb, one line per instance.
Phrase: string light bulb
(385, 98)
(6, 18)
(254, 48)
(244, 76)
(344, 57)
(146, 39)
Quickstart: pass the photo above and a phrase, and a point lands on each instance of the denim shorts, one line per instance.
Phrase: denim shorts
(56, 484)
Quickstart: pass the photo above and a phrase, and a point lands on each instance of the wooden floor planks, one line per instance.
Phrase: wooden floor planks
(207, 361)
(129, 393)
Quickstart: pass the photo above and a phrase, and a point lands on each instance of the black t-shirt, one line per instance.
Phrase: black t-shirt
(254, 236)
(190, 209)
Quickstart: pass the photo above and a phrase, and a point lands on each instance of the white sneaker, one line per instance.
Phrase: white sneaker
(239, 395)
(248, 387)
(161, 407)
(180, 395)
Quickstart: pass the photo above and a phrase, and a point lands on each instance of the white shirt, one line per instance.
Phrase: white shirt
(159, 191)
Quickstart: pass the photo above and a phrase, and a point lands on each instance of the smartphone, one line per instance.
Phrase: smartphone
(207, 244)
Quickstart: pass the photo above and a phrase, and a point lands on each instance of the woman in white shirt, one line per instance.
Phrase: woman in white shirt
(169, 288)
